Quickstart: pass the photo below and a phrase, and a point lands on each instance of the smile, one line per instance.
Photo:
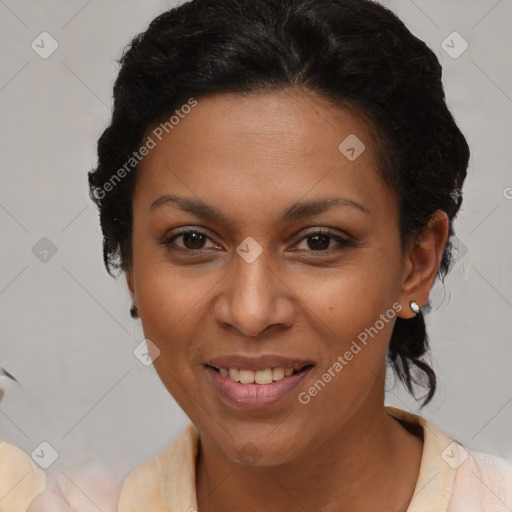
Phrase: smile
(249, 389)
(261, 377)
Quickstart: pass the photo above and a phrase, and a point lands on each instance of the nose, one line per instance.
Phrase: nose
(254, 297)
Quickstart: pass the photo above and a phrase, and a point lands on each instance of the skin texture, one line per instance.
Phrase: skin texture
(252, 157)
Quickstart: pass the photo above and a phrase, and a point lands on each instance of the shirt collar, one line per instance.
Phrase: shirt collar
(439, 460)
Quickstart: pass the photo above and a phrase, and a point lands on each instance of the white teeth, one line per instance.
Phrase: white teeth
(259, 377)
(278, 373)
(246, 376)
(263, 376)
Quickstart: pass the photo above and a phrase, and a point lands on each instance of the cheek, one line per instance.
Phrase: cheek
(170, 315)
(353, 318)
(352, 338)
(352, 297)
(167, 294)
(171, 306)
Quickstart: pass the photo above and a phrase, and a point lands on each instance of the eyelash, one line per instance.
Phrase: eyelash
(343, 242)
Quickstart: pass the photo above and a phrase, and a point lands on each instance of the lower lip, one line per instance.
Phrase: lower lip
(255, 396)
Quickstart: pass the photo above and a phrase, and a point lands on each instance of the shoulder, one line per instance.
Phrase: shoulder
(20, 479)
(483, 482)
(167, 480)
(454, 477)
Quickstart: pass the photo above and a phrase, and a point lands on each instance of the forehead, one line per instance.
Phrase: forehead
(286, 117)
(277, 144)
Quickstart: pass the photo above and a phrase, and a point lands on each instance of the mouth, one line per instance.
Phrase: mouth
(260, 377)
(246, 388)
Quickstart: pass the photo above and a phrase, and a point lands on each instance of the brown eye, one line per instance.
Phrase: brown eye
(319, 241)
(191, 240)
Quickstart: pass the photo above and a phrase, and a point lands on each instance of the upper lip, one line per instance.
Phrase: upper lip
(257, 363)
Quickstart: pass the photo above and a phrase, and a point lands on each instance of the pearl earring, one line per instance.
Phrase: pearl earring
(415, 307)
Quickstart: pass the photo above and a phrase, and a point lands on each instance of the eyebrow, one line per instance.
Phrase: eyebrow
(293, 213)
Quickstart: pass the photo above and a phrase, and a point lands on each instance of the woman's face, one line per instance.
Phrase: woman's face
(244, 263)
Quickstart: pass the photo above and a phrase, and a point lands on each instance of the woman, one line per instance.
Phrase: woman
(279, 184)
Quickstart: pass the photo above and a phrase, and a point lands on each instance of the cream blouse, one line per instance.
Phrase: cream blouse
(451, 478)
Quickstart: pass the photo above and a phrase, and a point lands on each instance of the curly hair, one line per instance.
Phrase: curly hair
(355, 53)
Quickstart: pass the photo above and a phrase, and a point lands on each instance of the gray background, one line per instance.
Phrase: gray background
(65, 329)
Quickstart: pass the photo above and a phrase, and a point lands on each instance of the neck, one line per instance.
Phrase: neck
(372, 463)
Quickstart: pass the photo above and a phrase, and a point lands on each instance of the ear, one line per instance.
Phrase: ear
(421, 263)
